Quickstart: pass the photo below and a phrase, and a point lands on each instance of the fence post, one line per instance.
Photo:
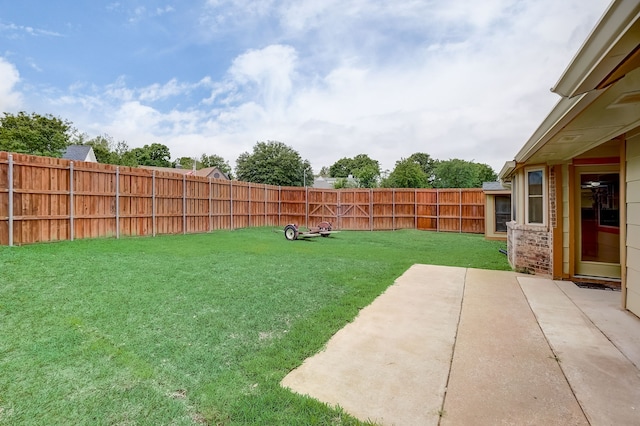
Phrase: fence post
(393, 209)
(184, 204)
(460, 212)
(117, 202)
(249, 207)
(279, 205)
(10, 177)
(306, 206)
(266, 219)
(71, 205)
(210, 208)
(370, 209)
(437, 210)
(338, 209)
(231, 202)
(415, 208)
(153, 202)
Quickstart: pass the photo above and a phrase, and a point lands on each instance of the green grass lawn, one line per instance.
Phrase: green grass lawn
(192, 329)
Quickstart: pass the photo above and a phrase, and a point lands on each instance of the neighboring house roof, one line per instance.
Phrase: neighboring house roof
(494, 187)
(601, 93)
(212, 172)
(329, 182)
(168, 169)
(80, 153)
(323, 182)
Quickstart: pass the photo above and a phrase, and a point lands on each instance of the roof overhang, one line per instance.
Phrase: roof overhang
(608, 54)
(600, 89)
(562, 114)
(507, 170)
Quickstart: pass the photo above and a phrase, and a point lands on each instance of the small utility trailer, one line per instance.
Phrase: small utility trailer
(292, 232)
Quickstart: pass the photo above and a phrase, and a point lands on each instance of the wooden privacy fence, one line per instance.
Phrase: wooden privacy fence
(49, 199)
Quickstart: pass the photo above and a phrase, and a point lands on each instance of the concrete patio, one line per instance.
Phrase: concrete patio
(456, 346)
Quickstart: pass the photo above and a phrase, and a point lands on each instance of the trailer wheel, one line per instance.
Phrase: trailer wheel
(290, 232)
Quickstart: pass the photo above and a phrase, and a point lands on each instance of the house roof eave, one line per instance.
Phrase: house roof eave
(506, 171)
(561, 115)
(613, 40)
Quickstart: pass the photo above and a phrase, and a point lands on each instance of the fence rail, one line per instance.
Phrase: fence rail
(50, 199)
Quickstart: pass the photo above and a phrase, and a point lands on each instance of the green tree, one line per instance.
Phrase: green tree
(140, 156)
(363, 160)
(341, 168)
(124, 156)
(155, 154)
(486, 173)
(426, 163)
(34, 134)
(407, 174)
(159, 155)
(187, 163)
(274, 163)
(458, 173)
(324, 172)
(342, 183)
(364, 169)
(367, 175)
(215, 161)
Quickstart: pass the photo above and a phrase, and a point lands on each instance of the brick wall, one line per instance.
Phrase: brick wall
(529, 248)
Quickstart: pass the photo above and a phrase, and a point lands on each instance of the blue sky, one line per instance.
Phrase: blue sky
(332, 78)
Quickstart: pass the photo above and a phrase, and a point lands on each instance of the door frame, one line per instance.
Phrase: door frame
(603, 270)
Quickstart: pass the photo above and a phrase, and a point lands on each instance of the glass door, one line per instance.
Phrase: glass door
(598, 219)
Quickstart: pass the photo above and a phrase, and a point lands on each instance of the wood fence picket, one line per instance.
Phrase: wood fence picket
(52, 199)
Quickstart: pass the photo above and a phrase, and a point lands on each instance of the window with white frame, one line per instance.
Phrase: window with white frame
(535, 197)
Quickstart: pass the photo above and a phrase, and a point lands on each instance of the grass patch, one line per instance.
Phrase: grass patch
(192, 329)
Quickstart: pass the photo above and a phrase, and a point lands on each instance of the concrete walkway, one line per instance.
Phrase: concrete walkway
(456, 346)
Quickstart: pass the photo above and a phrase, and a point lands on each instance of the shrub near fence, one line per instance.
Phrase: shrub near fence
(49, 199)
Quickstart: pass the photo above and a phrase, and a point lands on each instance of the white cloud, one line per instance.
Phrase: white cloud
(163, 10)
(230, 15)
(118, 90)
(10, 98)
(15, 31)
(133, 116)
(158, 91)
(336, 78)
(269, 72)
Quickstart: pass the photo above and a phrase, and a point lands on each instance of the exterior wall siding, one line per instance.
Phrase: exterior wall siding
(565, 220)
(490, 218)
(633, 224)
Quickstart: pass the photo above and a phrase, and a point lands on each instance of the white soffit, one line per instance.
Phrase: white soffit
(565, 111)
(578, 124)
(626, 99)
(600, 61)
